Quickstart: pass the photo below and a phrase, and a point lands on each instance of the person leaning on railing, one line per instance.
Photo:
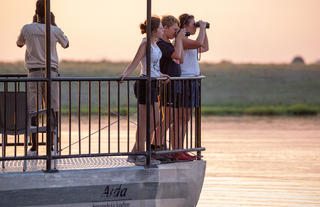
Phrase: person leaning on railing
(140, 88)
(190, 66)
(33, 36)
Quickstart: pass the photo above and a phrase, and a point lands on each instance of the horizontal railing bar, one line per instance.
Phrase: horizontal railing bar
(9, 75)
(20, 144)
(23, 158)
(184, 78)
(178, 150)
(97, 155)
(127, 78)
(23, 79)
(93, 79)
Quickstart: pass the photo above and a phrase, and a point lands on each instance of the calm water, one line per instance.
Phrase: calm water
(261, 162)
(251, 161)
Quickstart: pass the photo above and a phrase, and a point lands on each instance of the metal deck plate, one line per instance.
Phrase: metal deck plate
(68, 164)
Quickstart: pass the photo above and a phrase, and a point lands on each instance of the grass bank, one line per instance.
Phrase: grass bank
(229, 89)
(294, 110)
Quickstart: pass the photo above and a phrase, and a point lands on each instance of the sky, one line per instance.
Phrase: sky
(242, 31)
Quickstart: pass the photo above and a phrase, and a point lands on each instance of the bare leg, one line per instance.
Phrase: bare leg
(172, 125)
(185, 114)
(140, 147)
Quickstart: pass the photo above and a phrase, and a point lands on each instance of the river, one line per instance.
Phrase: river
(261, 161)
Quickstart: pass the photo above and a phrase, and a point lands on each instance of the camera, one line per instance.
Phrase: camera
(187, 33)
(197, 24)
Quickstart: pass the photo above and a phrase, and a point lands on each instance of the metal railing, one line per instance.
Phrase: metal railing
(100, 117)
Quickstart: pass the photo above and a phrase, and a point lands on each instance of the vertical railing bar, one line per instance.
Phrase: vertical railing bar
(183, 111)
(191, 120)
(36, 139)
(199, 121)
(118, 117)
(79, 115)
(42, 124)
(19, 91)
(26, 126)
(187, 117)
(60, 143)
(128, 116)
(179, 108)
(69, 115)
(109, 117)
(4, 135)
(89, 111)
(170, 116)
(15, 119)
(138, 114)
(165, 92)
(160, 115)
(99, 114)
(174, 116)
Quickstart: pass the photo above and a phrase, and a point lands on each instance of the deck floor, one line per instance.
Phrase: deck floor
(68, 164)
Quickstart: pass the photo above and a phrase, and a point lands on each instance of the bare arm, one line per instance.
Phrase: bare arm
(182, 56)
(205, 46)
(133, 65)
(178, 45)
(199, 42)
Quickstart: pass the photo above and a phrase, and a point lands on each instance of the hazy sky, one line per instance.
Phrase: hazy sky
(259, 31)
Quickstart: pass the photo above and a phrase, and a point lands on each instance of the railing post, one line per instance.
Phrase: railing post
(48, 80)
(4, 134)
(148, 141)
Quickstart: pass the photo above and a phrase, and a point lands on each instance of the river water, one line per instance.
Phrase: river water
(251, 161)
(254, 161)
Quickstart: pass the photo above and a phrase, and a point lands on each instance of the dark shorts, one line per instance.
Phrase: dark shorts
(140, 91)
(171, 94)
(191, 93)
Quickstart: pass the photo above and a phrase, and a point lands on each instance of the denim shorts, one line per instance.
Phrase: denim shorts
(191, 93)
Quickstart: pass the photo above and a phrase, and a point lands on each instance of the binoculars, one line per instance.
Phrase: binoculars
(197, 24)
(187, 33)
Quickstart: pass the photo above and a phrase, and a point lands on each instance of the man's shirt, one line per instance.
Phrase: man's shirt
(33, 36)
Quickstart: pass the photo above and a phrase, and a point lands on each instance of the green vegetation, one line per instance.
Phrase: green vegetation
(294, 110)
(229, 89)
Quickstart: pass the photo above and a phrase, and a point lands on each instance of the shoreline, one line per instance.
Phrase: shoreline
(292, 110)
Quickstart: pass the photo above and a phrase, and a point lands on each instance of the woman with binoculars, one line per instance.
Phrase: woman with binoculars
(190, 66)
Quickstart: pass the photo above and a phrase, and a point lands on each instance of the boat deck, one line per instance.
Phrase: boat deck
(68, 164)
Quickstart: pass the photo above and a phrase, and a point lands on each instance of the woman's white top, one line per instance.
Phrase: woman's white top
(156, 55)
(190, 66)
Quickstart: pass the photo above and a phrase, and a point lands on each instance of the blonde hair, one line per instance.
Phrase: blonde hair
(169, 20)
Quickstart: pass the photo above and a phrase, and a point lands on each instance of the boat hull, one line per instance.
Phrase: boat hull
(170, 185)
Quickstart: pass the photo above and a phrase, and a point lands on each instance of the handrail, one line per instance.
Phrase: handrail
(94, 79)
(9, 75)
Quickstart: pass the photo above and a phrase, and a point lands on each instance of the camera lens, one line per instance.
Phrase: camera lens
(187, 34)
